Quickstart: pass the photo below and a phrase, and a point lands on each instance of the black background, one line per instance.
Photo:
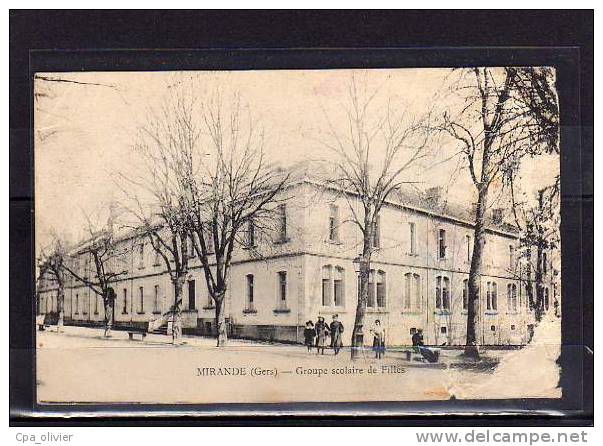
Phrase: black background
(160, 40)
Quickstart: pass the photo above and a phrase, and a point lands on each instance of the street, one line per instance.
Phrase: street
(79, 365)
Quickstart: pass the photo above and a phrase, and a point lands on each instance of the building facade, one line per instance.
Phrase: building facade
(419, 273)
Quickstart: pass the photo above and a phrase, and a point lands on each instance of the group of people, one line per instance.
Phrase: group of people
(315, 336)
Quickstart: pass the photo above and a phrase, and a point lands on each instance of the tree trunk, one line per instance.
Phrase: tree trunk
(358, 331)
(221, 332)
(60, 307)
(177, 311)
(529, 287)
(473, 304)
(539, 309)
(108, 305)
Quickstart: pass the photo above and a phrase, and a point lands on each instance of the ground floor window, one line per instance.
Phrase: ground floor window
(491, 296)
(442, 297)
(332, 286)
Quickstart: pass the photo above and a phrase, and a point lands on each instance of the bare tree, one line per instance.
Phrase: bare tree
(235, 197)
(373, 153)
(538, 222)
(497, 123)
(102, 250)
(51, 261)
(210, 184)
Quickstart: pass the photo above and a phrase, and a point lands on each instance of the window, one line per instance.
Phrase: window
(192, 295)
(376, 233)
(443, 330)
(141, 300)
(376, 289)
(412, 237)
(465, 294)
(512, 327)
(250, 234)
(326, 286)
(442, 293)
(209, 241)
(334, 224)
(338, 291)
(492, 327)
(544, 263)
(332, 286)
(156, 299)
(191, 247)
(546, 299)
(441, 243)
(511, 297)
(491, 296)
(141, 255)
(250, 305)
(157, 258)
(381, 289)
(282, 288)
(125, 307)
(77, 304)
(412, 291)
(282, 223)
(96, 298)
(511, 257)
(468, 247)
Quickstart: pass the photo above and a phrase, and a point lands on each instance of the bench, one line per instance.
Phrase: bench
(131, 334)
(137, 329)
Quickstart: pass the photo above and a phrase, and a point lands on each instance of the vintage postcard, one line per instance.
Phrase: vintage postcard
(282, 236)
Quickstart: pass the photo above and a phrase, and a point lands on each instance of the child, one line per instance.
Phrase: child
(309, 334)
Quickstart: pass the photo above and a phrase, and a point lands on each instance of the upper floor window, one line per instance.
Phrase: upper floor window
(376, 232)
(141, 255)
(282, 223)
(512, 297)
(468, 247)
(334, 223)
(250, 234)
(441, 243)
(209, 241)
(412, 291)
(491, 296)
(442, 293)
(192, 253)
(157, 258)
(465, 294)
(412, 236)
(511, 257)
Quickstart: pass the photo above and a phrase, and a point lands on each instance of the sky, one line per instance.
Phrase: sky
(85, 129)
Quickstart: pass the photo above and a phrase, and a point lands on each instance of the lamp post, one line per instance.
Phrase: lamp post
(360, 267)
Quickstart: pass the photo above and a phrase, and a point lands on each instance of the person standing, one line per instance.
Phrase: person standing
(378, 339)
(309, 335)
(322, 329)
(336, 329)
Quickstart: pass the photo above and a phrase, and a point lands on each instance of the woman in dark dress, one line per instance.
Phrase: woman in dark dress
(309, 335)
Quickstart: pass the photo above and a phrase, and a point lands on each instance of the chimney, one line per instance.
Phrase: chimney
(433, 195)
(497, 216)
